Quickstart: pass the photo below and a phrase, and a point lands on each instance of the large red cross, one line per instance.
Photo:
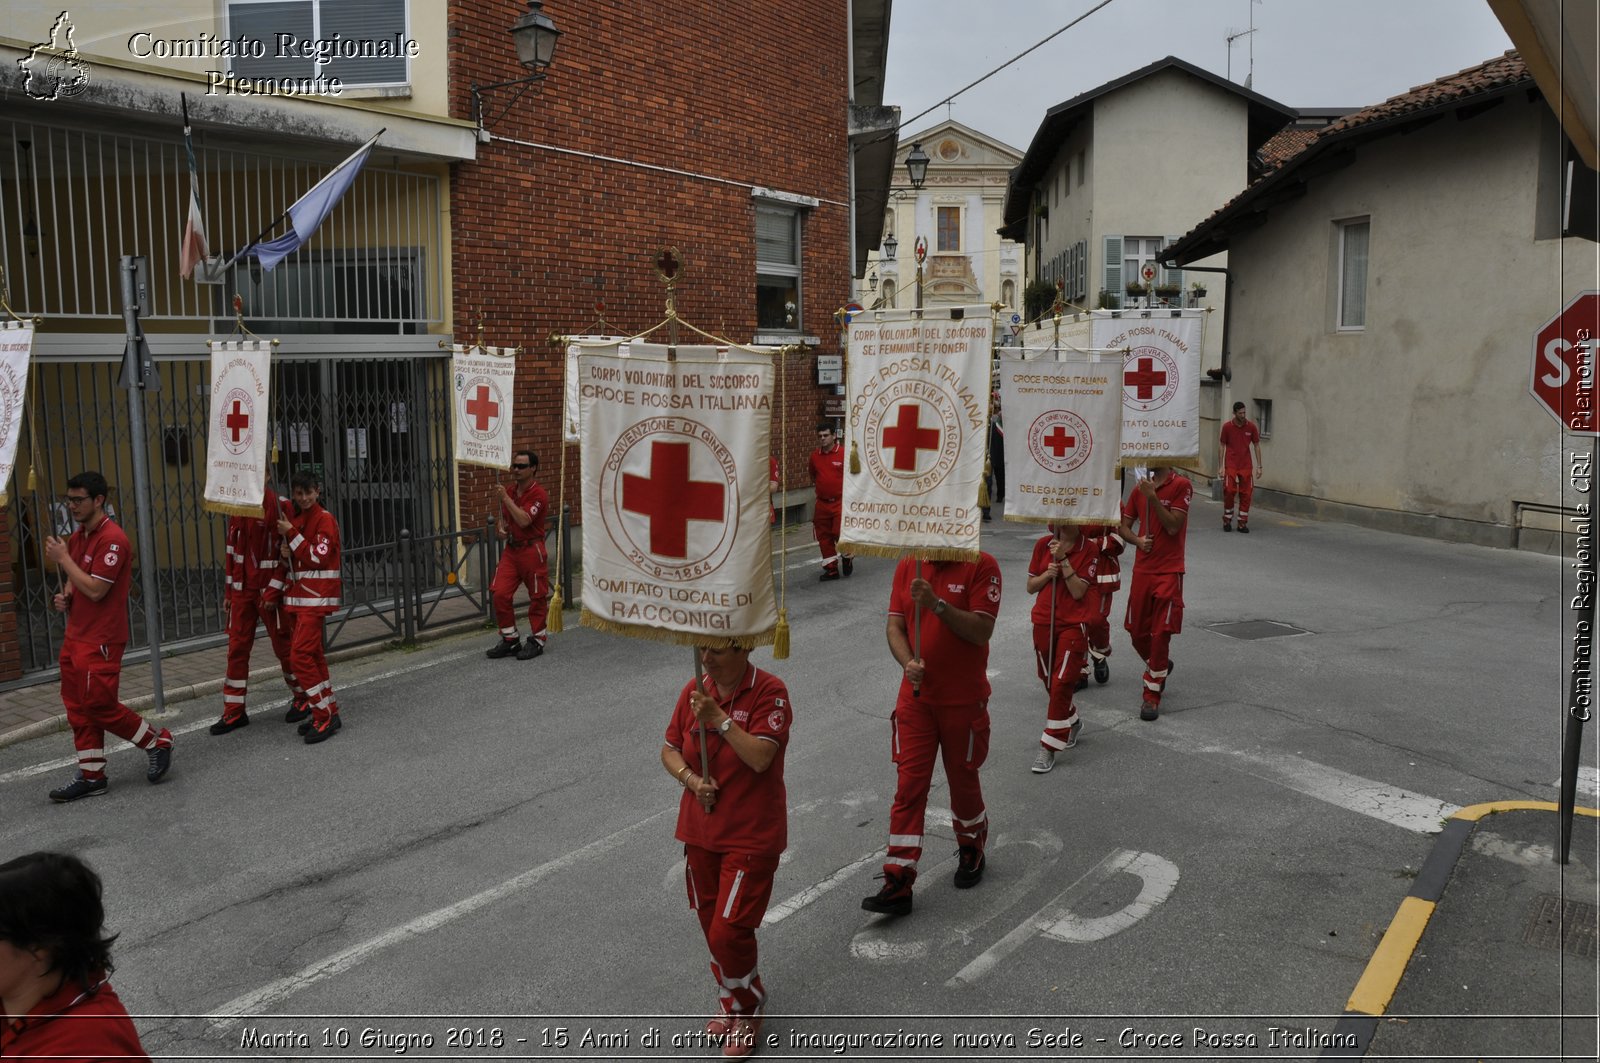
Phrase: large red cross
(480, 407)
(906, 437)
(1147, 378)
(670, 499)
(237, 421)
(1059, 441)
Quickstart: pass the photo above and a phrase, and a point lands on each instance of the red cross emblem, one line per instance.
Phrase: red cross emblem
(906, 437)
(481, 408)
(1059, 441)
(1146, 378)
(669, 499)
(236, 421)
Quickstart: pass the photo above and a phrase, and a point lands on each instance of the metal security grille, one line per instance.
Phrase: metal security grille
(376, 430)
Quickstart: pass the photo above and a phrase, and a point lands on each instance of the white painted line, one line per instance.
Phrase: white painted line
(779, 912)
(123, 747)
(1588, 780)
(254, 1003)
(1158, 877)
(1524, 854)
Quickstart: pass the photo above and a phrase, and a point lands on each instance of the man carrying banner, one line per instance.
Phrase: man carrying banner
(314, 589)
(733, 823)
(253, 581)
(1159, 506)
(523, 562)
(1062, 575)
(95, 564)
(1239, 435)
(1108, 580)
(827, 476)
(943, 705)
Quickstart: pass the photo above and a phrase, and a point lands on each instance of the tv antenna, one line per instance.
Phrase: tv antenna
(1233, 35)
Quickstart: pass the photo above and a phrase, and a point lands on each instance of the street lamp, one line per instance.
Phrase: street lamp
(535, 38)
(890, 246)
(872, 280)
(917, 165)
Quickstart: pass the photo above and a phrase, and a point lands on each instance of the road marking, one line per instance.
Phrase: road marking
(779, 912)
(1526, 854)
(253, 1003)
(1588, 781)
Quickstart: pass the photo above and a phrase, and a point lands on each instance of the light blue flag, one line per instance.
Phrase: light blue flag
(311, 209)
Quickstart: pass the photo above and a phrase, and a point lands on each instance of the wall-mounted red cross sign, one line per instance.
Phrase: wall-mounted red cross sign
(481, 407)
(1059, 441)
(236, 421)
(1146, 378)
(670, 500)
(905, 437)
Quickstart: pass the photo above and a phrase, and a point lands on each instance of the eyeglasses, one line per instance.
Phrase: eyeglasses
(521, 465)
(73, 500)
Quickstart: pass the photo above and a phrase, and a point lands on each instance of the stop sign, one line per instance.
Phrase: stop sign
(1564, 365)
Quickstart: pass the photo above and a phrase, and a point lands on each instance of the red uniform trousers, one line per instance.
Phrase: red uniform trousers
(244, 610)
(90, 675)
(1155, 614)
(522, 566)
(825, 523)
(961, 734)
(1237, 484)
(729, 892)
(1060, 666)
(309, 662)
(1098, 630)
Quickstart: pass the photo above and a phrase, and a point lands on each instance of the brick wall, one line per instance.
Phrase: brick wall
(754, 94)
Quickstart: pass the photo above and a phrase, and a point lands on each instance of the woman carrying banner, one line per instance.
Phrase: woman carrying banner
(1062, 575)
(733, 823)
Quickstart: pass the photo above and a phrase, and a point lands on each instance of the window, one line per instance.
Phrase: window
(1264, 417)
(1138, 252)
(949, 229)
(1352, 306)
(287, 32)
(777, 269)
(1066, 179)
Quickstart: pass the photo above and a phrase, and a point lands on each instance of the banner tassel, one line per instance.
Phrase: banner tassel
(33, 479)
(780, 637)
(855, 459)
(983, 486)
(553, 620)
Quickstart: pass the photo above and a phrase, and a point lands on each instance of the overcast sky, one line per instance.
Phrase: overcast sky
(1308, 53)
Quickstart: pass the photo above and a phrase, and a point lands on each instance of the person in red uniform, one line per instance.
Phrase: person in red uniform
(943, 706)
(523, 562)
(827, 476)
(1239, 435)
(1159, 506)
(772, 490)
(94, 564)
(1062, 576)
(254, 589)
(314, 590)
(733, 823)
(1108, 580)
(55, 999)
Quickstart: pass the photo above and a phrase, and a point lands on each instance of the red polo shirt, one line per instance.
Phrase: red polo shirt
(535, 502)
(105, 555)
(1084, 557)
(1236, 443)
(1166, 550)
(956, 669)
(827, 473)
(73, 1026)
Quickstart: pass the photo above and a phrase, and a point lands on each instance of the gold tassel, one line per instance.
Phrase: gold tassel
(855, 459)
(4, 500)
(983, 487)
(553, 620)
(274, 458)
(780, 637)
(33, 479)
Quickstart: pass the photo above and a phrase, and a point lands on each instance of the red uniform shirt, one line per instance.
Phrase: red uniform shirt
(104, 554)
(827, 473)
(1084, 557)
(315, 584)
(74, 1026)
(252, 551)
(1108, 576)
(1236, 443)
(751, 815)
(536, 503)
(956, 669)
(1166, 550)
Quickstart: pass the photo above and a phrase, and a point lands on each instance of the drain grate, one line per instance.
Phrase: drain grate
(1255, 630)
(1567, 925)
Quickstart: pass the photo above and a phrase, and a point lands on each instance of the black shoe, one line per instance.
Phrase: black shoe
(160, 758)
(969, 870)
(315, 734)
(827, 575)
(224, 725)
(79, 787)
(298, 711)
(305, 728)
(849, 565)
(530, 649)
(986, 518)
(503, 648)
(1149, 710)
(1228, 526)
(893, 899)
(1083, 681)
(1102, 670)
(1244, 529)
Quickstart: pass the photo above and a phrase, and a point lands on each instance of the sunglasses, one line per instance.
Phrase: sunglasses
(521, 465)
(73, 500)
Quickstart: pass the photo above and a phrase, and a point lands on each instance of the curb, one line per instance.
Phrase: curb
(1378, 983)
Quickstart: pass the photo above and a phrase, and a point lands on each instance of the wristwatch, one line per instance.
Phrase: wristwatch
(939, 606)
(727, 722)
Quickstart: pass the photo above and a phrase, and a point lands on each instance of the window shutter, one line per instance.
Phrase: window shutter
(775, 237)
(1112, 280)
(358, 19)
(1081, 278)
(1174, 276)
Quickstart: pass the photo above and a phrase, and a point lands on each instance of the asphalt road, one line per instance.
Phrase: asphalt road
(488, 844)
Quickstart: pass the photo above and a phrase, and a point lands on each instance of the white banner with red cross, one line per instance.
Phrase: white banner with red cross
(16, 348)
(1063, 436)
(1160, 382)
(238, 432)
(571, 416)
(676, 539)
(483, 378)
(917, 394)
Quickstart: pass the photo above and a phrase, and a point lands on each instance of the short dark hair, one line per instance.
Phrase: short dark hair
(92, 482)
(825, 426)
(51, 901)
(305, 480)
(533, 459)
(1238, 406)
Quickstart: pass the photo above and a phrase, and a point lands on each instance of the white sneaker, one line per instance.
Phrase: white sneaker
(1072, 735)
(1044, 761)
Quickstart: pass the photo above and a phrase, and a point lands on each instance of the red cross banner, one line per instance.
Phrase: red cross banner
(1063, 436)
(238, 433)
(571, 419)
(917, 395)
(676, 538)
(483, 379)
(16, 348)
(1160, 382)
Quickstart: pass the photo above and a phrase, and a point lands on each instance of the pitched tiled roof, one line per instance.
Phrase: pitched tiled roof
(1285, 144)
(1494, 77)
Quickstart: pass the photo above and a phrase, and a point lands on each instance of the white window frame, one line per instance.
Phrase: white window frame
(1344, 227)
(1148, 251)
(317, 34)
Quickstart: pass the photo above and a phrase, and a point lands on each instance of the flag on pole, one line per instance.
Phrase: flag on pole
(237, 436)
(1066, 436)
(16, 347)
(1160, 382)
(309, 211)
(485, 379)
(192, 247)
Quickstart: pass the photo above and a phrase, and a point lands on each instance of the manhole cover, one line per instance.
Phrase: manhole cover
(1567, 925)
(1254, 630)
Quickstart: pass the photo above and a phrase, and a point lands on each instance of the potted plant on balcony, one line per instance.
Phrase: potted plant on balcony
(1198, 290)
(1109, 300)
(1135, 288)
(1167, 291)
